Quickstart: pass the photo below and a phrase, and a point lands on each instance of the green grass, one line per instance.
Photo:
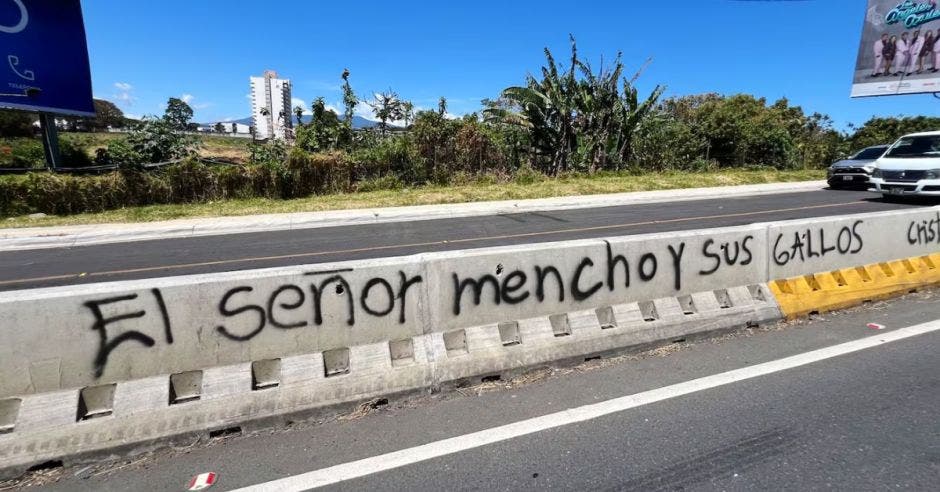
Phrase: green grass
(484, 190)
(210, 146)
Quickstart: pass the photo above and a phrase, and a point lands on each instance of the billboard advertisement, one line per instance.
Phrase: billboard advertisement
(900, 49)
(44, 58)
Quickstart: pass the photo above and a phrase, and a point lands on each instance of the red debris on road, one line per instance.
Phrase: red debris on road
(202, 481)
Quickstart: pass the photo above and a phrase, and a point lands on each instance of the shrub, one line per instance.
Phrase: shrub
(27, 153)
(662, 143)
(191, 182)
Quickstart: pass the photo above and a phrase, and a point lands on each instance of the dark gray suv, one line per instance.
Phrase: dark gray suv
(854, 171)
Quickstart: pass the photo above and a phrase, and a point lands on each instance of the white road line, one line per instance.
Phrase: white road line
(404, 457)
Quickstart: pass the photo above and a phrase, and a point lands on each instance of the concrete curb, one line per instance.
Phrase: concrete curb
(69, 236)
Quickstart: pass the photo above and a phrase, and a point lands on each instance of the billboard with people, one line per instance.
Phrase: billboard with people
(900, 49)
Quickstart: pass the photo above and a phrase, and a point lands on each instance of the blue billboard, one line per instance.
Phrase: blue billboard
(44, 64)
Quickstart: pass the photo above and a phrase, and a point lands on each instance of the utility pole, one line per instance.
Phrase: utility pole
(50, 140)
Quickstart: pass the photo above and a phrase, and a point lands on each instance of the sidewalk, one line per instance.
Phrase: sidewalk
(81, 235)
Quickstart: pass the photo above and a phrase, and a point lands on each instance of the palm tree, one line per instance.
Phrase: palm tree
(408, 112)
(572, 121)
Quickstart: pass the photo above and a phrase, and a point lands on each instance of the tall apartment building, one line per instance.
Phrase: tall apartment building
(270, 107)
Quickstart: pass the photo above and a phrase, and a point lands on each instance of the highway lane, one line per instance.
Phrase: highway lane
(180, 256)
(864, 420)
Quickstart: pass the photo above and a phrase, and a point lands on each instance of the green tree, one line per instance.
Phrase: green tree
(386, 106)
(885, 130)
(107, 115)
(408, 112)
(219, 127)
(155, 140)
(442, 106)
(16, 123)
(324, 131)
(349, 98)
(178, 114)
(433, 137)
(299, 114)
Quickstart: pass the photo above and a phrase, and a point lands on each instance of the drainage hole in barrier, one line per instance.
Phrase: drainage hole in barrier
(840, 280)
(185, 387)
(812, 282)
(335, 362)
(687, 305)
(648, 310)
(402, 352)
(455, 342)
(95, 402)
(226, 432)
(561, 327)
(45, 465)
(509, 333)
(724, 300)
(784, 286)
(589, 359)
(813, 314)
(605, 316)
(265, 374)
(381, 402)
(757, 293)
(752, 324)
(491, 379)
(679, 340)
(912, 291)
(9, 409)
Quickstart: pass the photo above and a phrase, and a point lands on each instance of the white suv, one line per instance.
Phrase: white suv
(911, 166)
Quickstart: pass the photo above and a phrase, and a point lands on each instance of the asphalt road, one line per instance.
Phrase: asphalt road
(160, 258)
(865, 420)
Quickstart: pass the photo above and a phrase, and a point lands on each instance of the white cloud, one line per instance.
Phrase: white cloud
(124, 96)
(191, 101)
(296, 101)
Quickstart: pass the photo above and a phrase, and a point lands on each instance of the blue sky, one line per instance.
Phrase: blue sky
(144, 52)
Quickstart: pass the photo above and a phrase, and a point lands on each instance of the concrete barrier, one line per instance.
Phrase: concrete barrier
(96, 367)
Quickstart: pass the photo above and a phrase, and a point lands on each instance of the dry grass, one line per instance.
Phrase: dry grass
(427, 195)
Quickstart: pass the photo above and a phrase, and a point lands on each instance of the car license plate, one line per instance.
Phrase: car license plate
(847, 178)
(896, 190)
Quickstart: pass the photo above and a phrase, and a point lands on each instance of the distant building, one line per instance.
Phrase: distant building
(270, 107)
(228, 128)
